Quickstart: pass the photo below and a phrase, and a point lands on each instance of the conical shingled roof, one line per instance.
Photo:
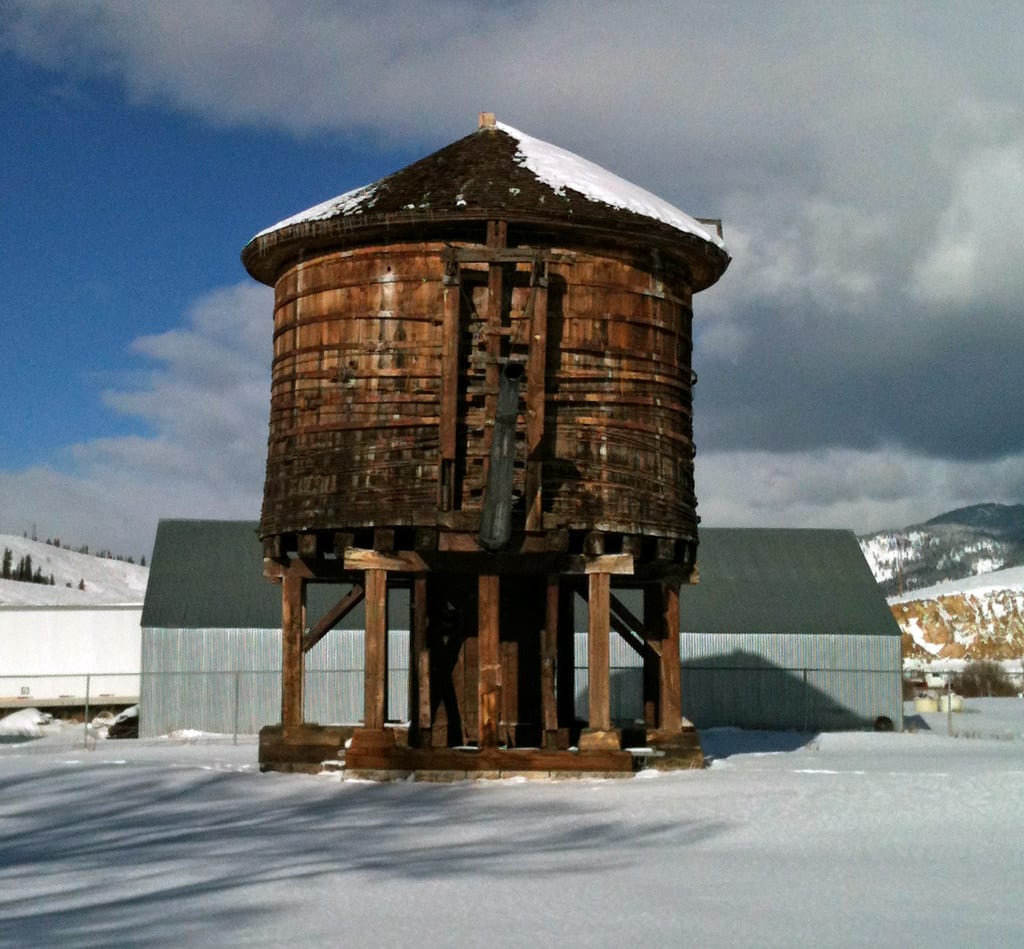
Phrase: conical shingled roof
(496, 172)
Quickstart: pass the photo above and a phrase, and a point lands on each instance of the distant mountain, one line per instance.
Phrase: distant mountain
(104, 580)
(961, 543)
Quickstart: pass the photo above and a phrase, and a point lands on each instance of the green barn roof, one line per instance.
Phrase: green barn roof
(209, 574)
(772, 580)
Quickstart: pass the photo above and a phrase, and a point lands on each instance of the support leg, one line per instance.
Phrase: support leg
(376, 651)
(669, 697)
(548, 663)
(293, 625)
(599, 733)
(489, 660)
(419, 666)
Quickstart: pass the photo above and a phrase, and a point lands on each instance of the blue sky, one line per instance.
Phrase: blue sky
(859, 363)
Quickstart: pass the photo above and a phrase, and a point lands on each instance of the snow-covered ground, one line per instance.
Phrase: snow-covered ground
(785, 840)
(1012, 578)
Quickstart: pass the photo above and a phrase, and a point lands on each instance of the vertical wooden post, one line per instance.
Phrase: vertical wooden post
(653, 619)
(548, 661)
(419, 665)
(293, 625)
(489, 659)
(565, 665)
(670, 712)
(375, 669)
(449, 386)
(536, 391)
(497, 237)
(597, 654)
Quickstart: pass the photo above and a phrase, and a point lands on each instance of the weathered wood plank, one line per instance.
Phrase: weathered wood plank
(536, 396)
(489, 687)
(621, 564)
(419, 662)
(597, 653)
(653, 619)
(293, 623)
(399, 561)
(670, 698)
(375, 664)
(450, 336)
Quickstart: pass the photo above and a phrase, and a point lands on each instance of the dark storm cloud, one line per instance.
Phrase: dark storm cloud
(803, 384)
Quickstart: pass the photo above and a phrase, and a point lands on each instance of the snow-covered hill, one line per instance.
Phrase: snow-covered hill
(955, 583)
(962, 543)
(105, 580)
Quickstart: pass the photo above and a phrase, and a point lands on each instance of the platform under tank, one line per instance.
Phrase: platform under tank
(499, 268)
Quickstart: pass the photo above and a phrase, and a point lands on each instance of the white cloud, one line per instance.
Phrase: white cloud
(975, 253)
(207, 405)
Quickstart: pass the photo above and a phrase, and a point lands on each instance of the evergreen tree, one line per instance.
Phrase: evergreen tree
(8, 557)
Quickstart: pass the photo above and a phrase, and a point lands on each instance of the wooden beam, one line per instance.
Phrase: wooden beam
(375, 667)
(398, 561)
(622, 616)
(324, 570)
(293, 622)
(621, 564)
(597, 654)
(332, 617)
(549, 655)
(507, 255)
(489, 659)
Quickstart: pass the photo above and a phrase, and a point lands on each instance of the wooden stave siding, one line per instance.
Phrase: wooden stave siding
(357, 342)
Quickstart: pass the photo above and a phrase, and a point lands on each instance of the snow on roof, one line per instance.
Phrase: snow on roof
(348, 203)
(553, 166)
(561, 169)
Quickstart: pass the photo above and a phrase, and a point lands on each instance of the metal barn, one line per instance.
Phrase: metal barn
(785, 630)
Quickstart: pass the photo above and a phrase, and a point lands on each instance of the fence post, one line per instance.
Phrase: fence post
(805, 699)
(238, 682)
(949, 705)
(85, 726)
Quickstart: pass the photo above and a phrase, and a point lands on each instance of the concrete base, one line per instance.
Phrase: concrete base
(679, 750)
(593, 739)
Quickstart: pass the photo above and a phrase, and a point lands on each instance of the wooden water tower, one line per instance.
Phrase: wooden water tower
(481, 392)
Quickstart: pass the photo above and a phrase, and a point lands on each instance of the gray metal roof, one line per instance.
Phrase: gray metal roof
(771, 580)
(209, 574)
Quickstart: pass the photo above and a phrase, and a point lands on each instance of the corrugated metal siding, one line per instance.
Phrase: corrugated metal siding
(757, 680)
(760, 680)
(790, 681)
(228, 680)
